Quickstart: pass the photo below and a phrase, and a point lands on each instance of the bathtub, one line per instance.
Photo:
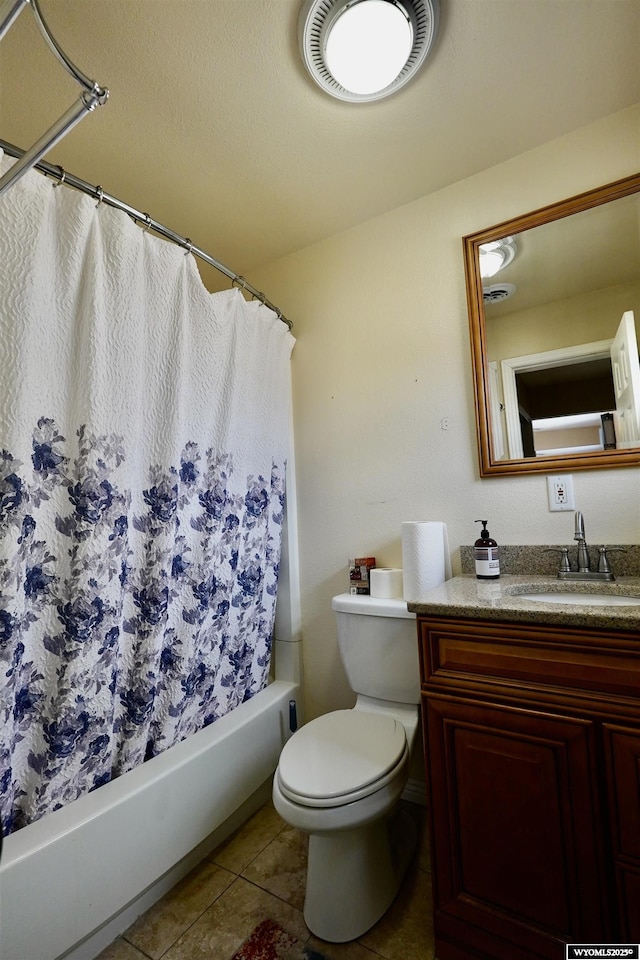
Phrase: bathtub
(74, 880)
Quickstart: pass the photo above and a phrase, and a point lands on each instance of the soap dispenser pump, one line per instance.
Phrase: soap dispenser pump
(486, 555)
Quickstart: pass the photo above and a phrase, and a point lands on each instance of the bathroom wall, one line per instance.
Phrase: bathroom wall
(383, 403)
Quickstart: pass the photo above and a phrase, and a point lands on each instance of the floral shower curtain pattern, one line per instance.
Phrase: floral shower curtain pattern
(143, 441)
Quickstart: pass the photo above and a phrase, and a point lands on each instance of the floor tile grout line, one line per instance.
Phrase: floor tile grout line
(276, 896)
(211, 856)
(236, 877)
(139, 949)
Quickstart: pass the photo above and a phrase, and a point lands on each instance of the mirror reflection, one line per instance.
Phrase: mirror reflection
(554, 304)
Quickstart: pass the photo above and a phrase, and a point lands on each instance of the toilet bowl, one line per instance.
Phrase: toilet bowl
(340, 777)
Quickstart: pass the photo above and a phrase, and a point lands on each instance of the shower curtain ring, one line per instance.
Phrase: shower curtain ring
(189, 246)
(147, 220)
(62, 175)
(241, 285)
(99, 195)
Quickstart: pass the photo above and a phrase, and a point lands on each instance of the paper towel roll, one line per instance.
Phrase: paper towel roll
(385, 583)
(425, 557)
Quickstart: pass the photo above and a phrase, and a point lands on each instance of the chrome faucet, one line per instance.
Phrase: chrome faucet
(584, 561)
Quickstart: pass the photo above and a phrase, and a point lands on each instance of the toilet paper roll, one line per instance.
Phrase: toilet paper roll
(385, 583)
(426, 561)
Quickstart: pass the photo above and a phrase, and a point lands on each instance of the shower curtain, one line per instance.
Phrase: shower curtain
(143, 441)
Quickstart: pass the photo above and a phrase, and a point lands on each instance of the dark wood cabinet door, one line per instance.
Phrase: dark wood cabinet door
(518, 866)
(629, 900)
(622, 752)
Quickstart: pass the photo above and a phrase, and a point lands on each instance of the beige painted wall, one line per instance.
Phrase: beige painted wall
(383, 358)
(563, 323)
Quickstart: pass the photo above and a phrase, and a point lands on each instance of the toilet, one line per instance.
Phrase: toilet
(340, 776)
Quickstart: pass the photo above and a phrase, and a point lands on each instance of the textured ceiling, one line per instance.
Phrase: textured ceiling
(214, 128)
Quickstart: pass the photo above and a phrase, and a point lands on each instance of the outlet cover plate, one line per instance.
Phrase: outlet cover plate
(560, 492)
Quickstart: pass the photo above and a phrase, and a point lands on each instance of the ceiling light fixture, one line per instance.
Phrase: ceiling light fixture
(495, 256)
(362, 50)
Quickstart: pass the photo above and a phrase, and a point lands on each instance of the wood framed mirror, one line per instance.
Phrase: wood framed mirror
(554, 335)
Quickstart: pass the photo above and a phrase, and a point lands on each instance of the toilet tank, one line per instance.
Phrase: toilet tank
(378, 644)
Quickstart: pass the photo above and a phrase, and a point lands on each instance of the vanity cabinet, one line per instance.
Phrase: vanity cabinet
(622, 753)
(532, 745)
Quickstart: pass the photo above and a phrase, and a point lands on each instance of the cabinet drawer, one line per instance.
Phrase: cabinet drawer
(454, 651)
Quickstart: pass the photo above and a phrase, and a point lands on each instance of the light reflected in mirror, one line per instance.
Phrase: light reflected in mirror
(554, 335)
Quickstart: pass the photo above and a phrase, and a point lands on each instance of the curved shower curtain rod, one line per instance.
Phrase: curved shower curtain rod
(144, 220)
(92, 96)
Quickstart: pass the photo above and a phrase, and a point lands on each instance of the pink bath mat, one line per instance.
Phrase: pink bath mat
(270, 942)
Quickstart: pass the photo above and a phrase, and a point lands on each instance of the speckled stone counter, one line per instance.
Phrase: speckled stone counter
(468, 597)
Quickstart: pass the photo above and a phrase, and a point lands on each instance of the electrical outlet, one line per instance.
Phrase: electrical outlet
(560, 493)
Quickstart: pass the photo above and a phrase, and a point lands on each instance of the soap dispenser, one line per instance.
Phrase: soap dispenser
(486, 555)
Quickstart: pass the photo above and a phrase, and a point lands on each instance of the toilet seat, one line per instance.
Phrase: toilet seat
(341, 757)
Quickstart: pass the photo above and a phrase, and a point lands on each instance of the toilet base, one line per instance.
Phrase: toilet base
(363, 868)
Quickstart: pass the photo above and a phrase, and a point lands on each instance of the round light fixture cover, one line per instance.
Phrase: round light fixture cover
(318, 17)
(496, 255)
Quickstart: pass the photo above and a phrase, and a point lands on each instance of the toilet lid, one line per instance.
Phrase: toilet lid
(340, 753)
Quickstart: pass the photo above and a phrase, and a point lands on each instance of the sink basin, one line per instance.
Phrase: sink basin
(583, 599)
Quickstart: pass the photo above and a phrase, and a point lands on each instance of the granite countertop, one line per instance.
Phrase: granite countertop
(466, 596)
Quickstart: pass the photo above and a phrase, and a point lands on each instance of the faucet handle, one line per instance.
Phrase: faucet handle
(565, 566)
(603, 559)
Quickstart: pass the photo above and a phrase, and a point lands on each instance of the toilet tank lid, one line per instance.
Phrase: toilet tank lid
(371, 606)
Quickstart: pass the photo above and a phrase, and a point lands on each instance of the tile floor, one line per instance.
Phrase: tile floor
(260, 872)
